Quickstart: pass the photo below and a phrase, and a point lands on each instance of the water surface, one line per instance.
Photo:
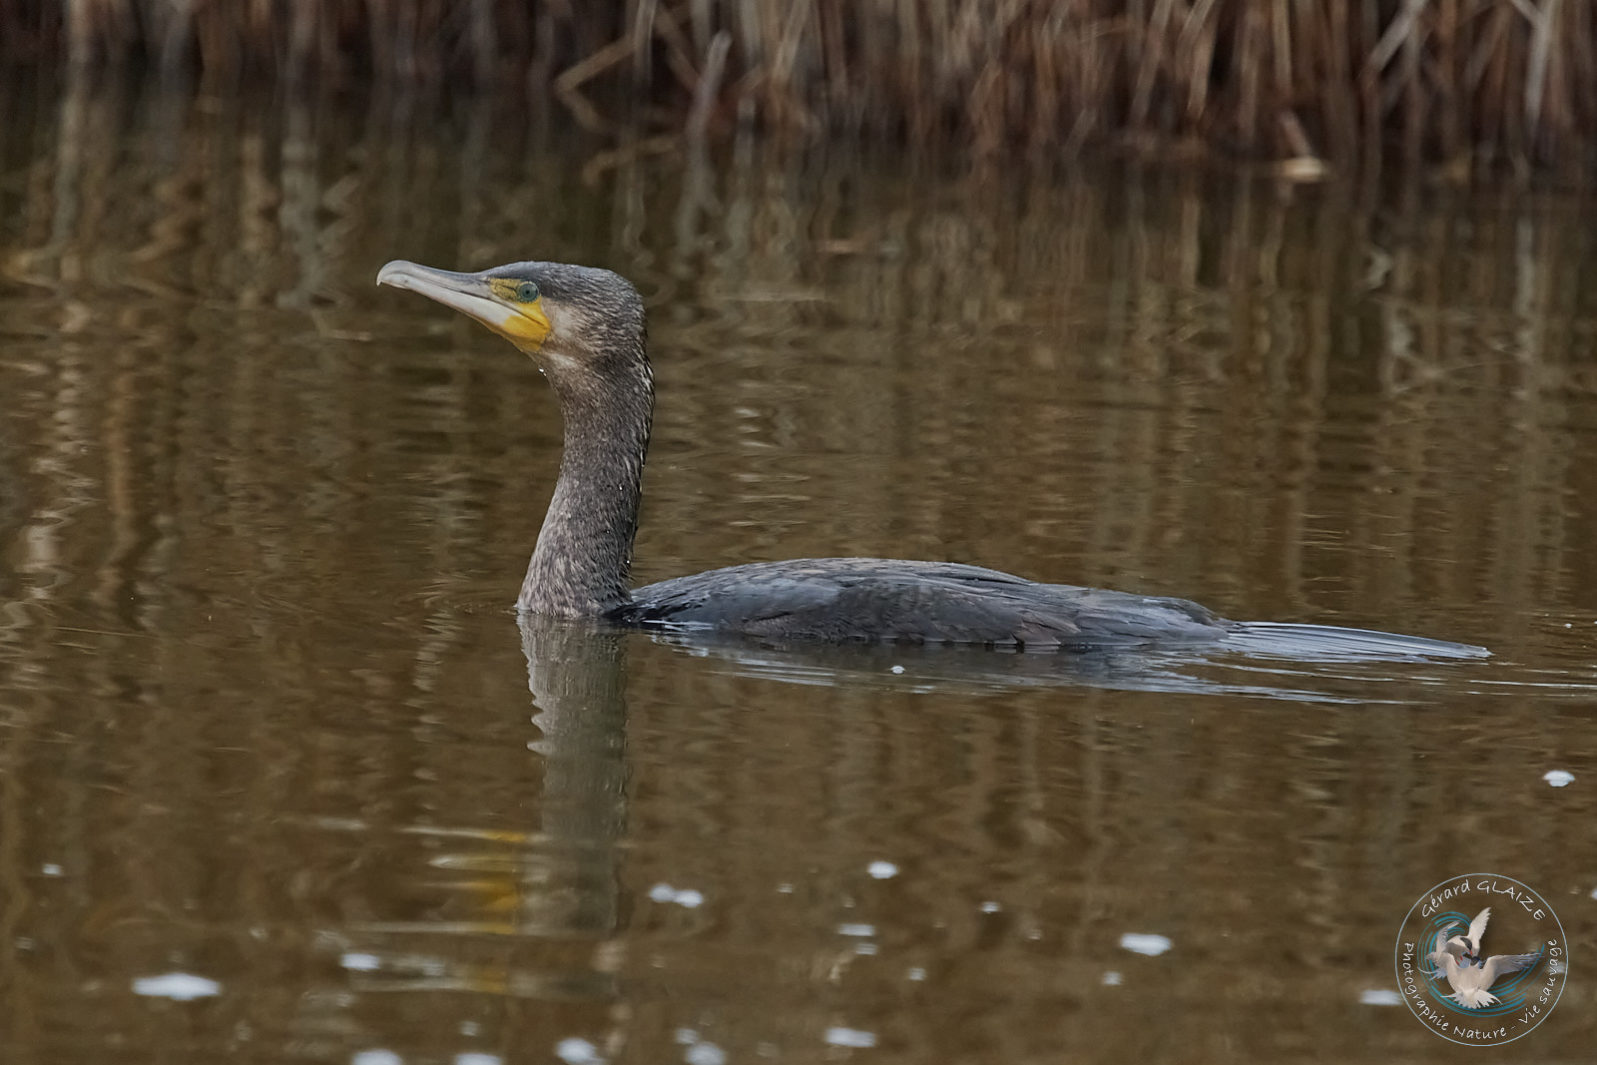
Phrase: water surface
(266, 721)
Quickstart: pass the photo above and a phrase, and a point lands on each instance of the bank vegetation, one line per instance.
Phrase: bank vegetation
(1464, 84)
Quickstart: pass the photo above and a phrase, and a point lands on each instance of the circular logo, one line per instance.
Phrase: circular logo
(1481, 959)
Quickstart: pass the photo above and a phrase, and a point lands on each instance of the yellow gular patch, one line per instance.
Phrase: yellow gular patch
(526, 325)
(529, 327)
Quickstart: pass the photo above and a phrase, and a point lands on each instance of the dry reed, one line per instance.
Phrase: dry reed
(1464, 83)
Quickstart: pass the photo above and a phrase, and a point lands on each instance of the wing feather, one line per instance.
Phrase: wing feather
(915, 602)
(1499, 965)
(1477, 929)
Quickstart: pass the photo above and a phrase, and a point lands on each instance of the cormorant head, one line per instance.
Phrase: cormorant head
(566, 317)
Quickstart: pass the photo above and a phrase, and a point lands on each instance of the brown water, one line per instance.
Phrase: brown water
(266, 721)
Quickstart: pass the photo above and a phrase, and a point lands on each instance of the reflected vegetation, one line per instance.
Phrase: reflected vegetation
(265, 718)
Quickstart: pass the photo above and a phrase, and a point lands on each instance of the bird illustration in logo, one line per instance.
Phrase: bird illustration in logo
(1468, 946)
(1458, 957)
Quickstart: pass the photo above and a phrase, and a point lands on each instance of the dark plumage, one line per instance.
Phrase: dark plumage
(584, 328)
(920, 602)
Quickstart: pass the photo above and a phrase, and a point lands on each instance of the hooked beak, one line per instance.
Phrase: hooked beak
(475, 295)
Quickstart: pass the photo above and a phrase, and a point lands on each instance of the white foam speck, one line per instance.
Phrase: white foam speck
(1559, 778)
(576, 1051)
(916, 974)
(180, 987)
(856, 930)
(51, 869)
(882, 870)
(705, 1054)
(686, 1036)
(990, 907)
(361, 963)
(375, 1057)
(1145, 943)
(1380, 996)
(849, 1037)
(865, 948)
(784, 889)
(687, 897)
(477, 1057)
(1112, 979)
(898, 669)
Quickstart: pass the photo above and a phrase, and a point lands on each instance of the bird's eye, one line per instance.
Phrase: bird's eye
(526, 292)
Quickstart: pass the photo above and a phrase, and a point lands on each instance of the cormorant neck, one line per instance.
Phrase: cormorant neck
(581, 565)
